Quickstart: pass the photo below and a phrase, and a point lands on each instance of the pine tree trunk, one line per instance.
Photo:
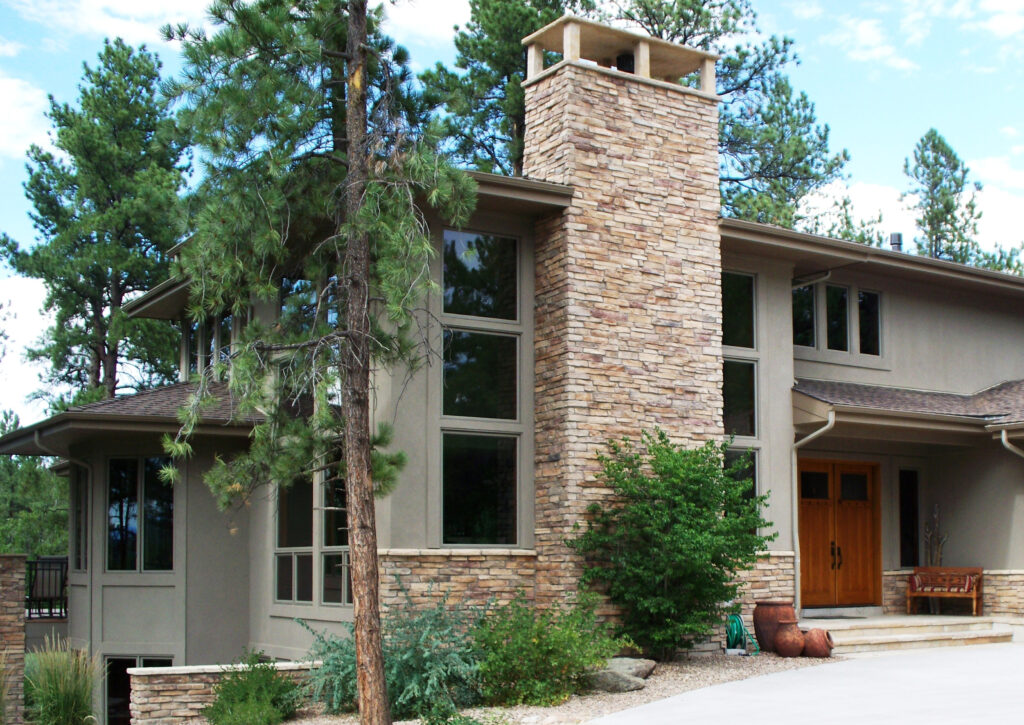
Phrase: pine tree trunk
(372, 698)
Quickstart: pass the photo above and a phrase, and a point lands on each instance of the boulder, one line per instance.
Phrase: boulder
(623, 674)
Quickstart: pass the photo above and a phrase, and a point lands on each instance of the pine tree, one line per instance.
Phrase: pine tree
(106, 211)
(945, 201)
(316, 158)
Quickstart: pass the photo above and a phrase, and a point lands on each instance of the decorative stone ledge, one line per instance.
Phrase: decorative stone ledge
(1003, 593)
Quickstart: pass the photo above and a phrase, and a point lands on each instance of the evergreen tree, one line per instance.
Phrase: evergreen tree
(316, 157)
(105, 208)
(773, 152)
(945, 201)
(33, 503)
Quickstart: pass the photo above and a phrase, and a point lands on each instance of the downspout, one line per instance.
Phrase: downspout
(795, 501)
(1009, 446)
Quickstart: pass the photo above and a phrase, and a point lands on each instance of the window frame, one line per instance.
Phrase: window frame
(140, 537)
(520, 428)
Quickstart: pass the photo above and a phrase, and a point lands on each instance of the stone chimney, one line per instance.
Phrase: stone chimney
(628, 305)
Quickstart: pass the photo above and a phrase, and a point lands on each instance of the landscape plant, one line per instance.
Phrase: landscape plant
(667, 546)
(59, 682)
(429, 661)
(535, 656)
(255, 693)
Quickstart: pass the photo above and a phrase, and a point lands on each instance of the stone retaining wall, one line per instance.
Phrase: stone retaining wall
(171, 695)
(12, 633)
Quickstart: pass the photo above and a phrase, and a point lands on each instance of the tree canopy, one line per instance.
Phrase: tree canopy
(106, 211)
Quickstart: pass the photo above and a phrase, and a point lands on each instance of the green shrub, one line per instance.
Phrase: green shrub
(540, 657)
(670, 553)
(254, 694)
(58, 684)
(429, 663)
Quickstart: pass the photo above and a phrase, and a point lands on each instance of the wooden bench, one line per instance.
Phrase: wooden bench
(945, 582)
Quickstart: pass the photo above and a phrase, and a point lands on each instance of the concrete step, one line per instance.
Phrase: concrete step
(882, 643)
(879, 628)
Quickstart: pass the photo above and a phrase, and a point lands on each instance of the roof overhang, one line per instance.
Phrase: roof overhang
(811, 255)
(809, 413)
(518, 194)
(166, 301)
(57, 435)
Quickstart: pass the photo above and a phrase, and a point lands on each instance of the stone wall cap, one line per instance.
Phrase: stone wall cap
(457, 552)
(675, 87)
(215, 669)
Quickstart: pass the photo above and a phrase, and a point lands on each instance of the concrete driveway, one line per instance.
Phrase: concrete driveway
(947, 685)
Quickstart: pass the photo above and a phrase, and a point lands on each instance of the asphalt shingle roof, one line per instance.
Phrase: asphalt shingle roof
(165, 402)
(1000, 404)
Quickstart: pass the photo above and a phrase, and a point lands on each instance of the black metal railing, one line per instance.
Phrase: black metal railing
(46, 588)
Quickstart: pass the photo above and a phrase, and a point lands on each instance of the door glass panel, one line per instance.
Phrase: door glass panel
(813, 484)
(853, 487)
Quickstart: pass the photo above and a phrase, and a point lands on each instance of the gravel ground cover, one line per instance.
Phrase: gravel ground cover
(668, 679)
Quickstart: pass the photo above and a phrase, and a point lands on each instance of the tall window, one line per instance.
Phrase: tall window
(909, 555)
(803, 316)
(294, 556)
(737, 309)
(740, 397)
(837, 317)
(869, 322)
(140, 516)
(337, 579)
(80, 518)
(481, 403)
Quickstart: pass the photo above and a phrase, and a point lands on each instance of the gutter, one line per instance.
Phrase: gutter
(1009, 446)
(795, 499)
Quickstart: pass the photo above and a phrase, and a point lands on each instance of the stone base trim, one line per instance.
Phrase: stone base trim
(773, 577)
(1003, 593)
(12, 634)
(473, 576)
(166, 695)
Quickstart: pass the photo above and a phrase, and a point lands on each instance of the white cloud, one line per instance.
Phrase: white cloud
(918, 16)
(9, 49)
(136, 22)
(998, 171)
(22, 123)
(806, 10)
(1004, 18)
(1009, 131)
(22, 300)
(425, 20)
(864, 40)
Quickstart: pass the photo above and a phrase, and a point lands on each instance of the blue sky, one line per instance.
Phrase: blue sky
(881, 73)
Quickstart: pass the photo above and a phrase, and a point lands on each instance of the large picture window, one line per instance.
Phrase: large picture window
(482, 418)
(140, 516)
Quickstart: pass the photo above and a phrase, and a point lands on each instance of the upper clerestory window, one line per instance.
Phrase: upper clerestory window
(845, 328)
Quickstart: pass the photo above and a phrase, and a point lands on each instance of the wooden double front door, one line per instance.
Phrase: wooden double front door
(840, 546)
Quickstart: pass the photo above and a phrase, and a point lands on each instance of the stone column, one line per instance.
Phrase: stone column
(628, 306)
(12, 633)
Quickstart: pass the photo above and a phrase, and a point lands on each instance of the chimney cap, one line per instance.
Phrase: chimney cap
(598, 42)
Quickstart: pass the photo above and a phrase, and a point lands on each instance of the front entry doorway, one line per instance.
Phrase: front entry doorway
(840, 545)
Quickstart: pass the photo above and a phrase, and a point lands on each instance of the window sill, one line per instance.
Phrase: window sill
(837, 357)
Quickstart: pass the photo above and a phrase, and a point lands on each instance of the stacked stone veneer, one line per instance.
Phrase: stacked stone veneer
(12, 633)
(166, 695)
(474, 576)
(771, 578)
(1003, 594)
(627, 327)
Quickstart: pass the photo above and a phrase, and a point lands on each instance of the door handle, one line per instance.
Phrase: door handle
(839, 553)
(832, 551)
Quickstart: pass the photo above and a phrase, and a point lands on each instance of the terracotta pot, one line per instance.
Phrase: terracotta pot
(818, 643)
(789, 640)
(767, 614)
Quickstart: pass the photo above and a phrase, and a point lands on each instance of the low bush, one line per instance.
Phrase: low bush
(254, 694)
(59, 682)
(540, 656)
(429, 662)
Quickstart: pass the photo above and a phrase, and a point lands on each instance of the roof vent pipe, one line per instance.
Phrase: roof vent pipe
(896, 241)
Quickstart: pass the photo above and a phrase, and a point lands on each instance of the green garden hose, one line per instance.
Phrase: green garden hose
(737, 635)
